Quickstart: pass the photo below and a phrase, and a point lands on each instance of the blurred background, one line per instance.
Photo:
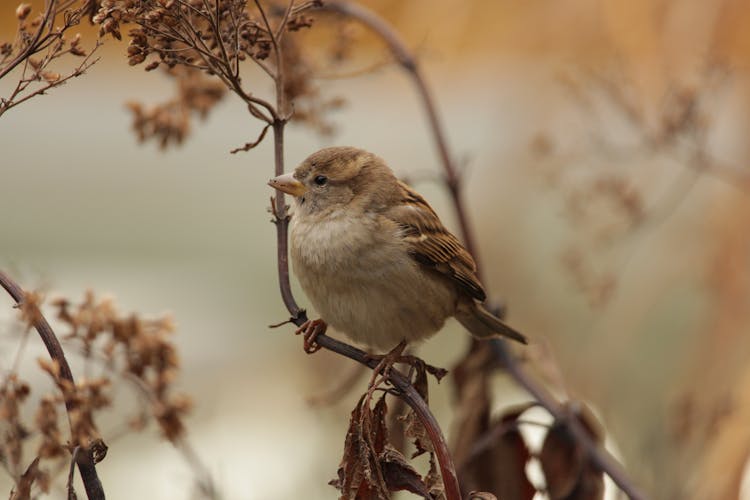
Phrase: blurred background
(604, 150)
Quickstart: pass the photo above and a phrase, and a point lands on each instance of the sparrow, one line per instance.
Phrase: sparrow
(373, 257)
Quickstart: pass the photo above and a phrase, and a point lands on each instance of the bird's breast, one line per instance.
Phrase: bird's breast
(341, 244)
(360, 278)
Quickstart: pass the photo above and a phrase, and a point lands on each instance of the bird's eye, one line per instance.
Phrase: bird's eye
(320, 180)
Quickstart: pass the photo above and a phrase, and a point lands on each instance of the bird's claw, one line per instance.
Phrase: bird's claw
(310, 330)
(386, 361)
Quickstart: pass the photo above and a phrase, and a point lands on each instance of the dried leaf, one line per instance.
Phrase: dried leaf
(359, 475)
(499, 458)
(569, 473)
(507, 459)
(399, 475)
(434, 482)
(413, 428)
(491, 455)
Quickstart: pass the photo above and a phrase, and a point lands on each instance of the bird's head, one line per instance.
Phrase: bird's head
(337, 178)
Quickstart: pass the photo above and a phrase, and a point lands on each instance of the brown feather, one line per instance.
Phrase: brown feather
(432, 245)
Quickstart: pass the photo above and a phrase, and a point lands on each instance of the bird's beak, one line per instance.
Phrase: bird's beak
(288, 184)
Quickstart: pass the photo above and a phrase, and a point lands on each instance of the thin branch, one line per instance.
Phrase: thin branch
(265, 67)
(250, 145)
(194, 10)
(9, 103)
(71, 472)
(85, 460)
(280, 32)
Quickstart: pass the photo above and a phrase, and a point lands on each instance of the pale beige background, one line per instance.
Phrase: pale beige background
(186, 231)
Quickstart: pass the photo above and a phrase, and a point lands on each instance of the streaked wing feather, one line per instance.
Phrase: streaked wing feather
(432, 245)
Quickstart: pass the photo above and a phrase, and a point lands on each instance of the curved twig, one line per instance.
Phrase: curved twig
(83, 459)
(599, 456)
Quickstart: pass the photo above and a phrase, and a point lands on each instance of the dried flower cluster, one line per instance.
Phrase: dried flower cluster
(139, 349)
(132, 350)
(214, 38)
(169, 123)
(39, 44)
(83, 400)
(16, 433)
(206, 35)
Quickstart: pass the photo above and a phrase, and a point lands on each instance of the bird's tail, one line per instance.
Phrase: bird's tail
(483, 324)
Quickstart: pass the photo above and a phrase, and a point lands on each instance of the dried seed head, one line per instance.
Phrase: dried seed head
(51, 76)
(23, 11)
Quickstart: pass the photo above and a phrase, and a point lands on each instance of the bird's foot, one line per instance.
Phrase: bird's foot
(386, 361)
(310, 330)
(417, 366)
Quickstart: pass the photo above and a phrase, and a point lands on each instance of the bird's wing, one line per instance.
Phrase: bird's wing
(431, 244)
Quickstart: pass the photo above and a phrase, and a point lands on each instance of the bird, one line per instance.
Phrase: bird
(373, 257)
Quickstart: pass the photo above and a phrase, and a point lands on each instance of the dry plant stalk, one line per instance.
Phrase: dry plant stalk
(88, 457)
(127, 349)
(40, 44)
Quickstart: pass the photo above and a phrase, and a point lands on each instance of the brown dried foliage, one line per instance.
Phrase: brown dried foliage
(372, 467)
(140, 350)
(491, 453)
(568, 470)
(132, 350)
(168, 123)
(16, 434)
(215, 38)
(42, 41)
(13, 393)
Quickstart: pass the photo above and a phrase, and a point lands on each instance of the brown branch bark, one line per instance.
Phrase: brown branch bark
(84, 458)
(599, 456)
